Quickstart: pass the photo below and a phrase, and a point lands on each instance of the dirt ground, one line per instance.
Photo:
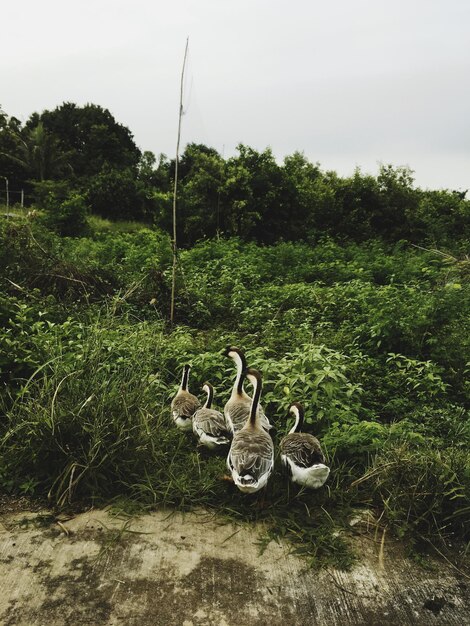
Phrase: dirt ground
(192, 569)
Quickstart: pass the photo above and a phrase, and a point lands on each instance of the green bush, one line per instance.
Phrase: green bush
(84, 422)
(117, 194)
(423, 492)
(371, 339)
(69, 218)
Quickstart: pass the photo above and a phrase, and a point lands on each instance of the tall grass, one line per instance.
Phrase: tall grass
(93, 423)
(99, 224)
(372, 341)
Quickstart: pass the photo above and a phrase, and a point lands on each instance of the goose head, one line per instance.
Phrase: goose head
(238, 356)
(297, 410)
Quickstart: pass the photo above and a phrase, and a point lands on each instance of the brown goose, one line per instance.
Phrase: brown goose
(209, 425)
(237, 409)
(301, 453)
(251, 456)
(184, 404)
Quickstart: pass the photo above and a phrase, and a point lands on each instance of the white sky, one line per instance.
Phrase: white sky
(348, 82)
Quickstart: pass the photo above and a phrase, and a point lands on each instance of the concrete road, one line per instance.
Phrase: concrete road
(163, 569)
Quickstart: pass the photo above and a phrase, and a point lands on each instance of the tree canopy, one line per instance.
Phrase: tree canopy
(83, 150)
(91, 136)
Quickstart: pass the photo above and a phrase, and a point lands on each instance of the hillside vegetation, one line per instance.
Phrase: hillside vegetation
(351, 295)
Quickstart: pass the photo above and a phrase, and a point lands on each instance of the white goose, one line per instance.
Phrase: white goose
(184, 404)
(237, 409)
(209, 425)
(302, 455)
(251, 456)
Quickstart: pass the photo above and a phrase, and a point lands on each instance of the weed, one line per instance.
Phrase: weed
(371, 339)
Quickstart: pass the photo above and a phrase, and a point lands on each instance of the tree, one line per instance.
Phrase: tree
(38, 153)
(441, 216)
(238, 216)
(358, 202)
(146, 171)
(300, 196)
(191, 159)
(92, 137)
(116, 194)
(10, 127)
(200, 193)
(398, 198)
(253, 195)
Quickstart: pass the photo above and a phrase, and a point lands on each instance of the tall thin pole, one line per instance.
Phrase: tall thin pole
(218, 197)
(8, 193)
(173, 280)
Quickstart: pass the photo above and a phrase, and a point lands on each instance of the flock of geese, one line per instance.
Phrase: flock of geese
(245, 428)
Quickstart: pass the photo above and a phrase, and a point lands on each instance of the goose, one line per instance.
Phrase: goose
(209, 425)
(184, 404)
(251, 456)
(237, 409)
(302, 455)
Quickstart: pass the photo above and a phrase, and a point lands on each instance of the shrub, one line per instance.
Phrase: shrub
(371, 339)
(117, 194)
(424, 491)
(69, 218)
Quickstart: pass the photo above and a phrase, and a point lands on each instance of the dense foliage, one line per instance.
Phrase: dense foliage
(372, 338)
(84, 151)
(350, 295)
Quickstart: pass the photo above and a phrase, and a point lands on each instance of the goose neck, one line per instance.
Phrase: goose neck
(255, 401)
(298, 413)
(238, 386)
(184, 379)
(210, 396)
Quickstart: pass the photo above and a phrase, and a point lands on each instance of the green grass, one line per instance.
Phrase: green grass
(14, 211)
(372, 340)
(99, 224)
(93, 424)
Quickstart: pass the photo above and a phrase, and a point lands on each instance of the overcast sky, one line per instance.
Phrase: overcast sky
(348, 82)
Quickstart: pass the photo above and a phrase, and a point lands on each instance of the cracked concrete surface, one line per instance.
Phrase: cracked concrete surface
(193, 569)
